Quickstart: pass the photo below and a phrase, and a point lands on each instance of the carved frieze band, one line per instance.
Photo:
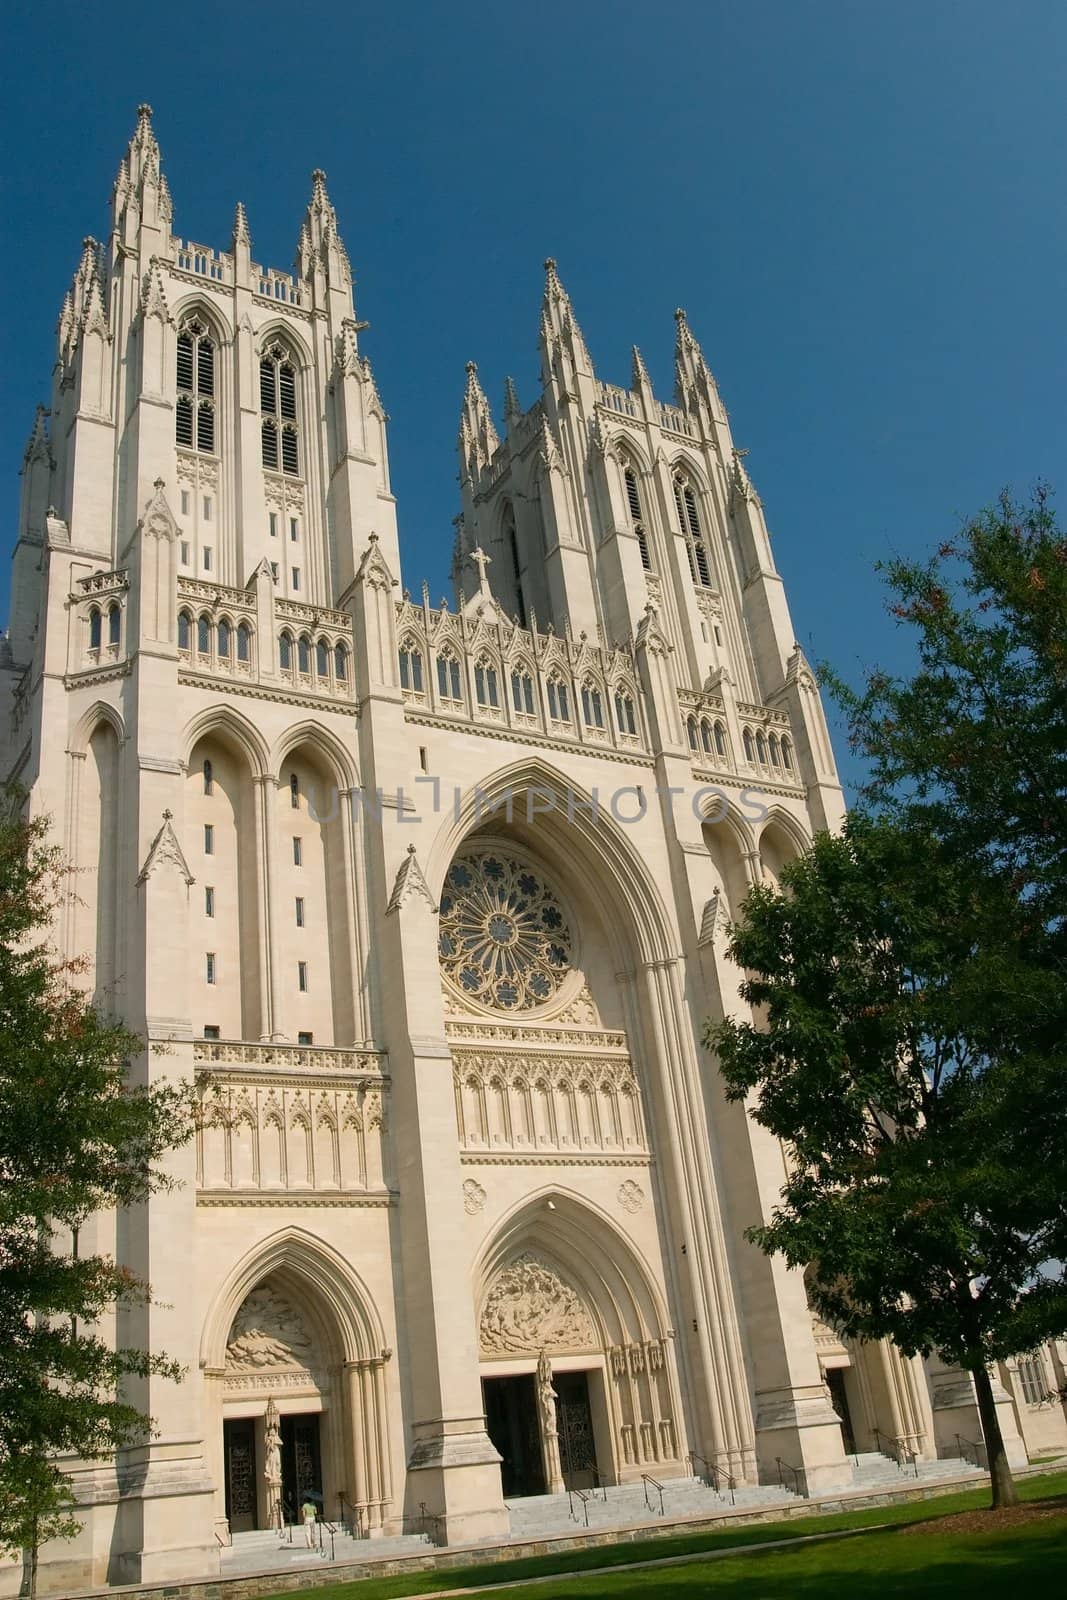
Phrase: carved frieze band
(541, 1101)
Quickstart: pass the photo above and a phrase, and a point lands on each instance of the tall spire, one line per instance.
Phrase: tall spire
(37, 446)
(478, 438)
(558, 322)
(140, 182)
(240, 238)
(639, 377)
(320, 235)
(512, 408)
(693, 381)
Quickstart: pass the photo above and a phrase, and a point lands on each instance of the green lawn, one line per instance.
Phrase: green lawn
(883, 1564)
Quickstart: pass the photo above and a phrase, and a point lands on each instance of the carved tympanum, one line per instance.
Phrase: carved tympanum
(267, 1332)
(530, 1308)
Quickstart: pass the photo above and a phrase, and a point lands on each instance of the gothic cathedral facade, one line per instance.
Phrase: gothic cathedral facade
(428, 901)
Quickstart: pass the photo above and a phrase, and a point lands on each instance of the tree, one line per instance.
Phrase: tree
(922, 1188)
(77, 1137)
(973, 746)
(911, 976)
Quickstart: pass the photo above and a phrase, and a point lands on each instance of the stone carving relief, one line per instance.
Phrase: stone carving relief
(473, 1197)
(529, 1308)
(267, 1332)
(631, 1195)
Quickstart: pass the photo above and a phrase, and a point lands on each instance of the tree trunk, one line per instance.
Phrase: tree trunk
(1003, 1484)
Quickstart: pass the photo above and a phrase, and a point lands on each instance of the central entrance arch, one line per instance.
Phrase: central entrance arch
(577, 1358)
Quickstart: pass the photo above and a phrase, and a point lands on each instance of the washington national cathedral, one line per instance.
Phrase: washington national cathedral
(430, 901)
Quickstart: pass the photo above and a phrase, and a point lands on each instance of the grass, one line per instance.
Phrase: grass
(971, 1566)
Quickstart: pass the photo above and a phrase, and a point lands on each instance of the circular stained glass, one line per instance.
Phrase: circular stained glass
(504, 938)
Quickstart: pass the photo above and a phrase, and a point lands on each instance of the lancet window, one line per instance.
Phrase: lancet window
(637, 520)
(277, 404)
(194, 413)
(685, 501)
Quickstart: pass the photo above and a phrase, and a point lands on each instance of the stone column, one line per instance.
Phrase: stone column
(955, 1410)
(453, 1467)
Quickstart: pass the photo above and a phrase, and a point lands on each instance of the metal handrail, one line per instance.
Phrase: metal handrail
(581, 1496)
(331, 1530)
(899, 1450)
(972, 1444)
(783, 1468)
(651, 1482)
(599, 1482)
(714, 1473)
(355, 1515)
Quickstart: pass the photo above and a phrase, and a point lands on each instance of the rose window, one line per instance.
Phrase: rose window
(504, 939)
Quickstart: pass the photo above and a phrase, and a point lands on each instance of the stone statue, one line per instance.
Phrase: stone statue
(272, 1464)
(546, 1408)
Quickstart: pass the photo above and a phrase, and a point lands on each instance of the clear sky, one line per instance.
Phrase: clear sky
(860, 206)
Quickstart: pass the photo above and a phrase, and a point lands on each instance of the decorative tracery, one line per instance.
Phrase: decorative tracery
(505, 941)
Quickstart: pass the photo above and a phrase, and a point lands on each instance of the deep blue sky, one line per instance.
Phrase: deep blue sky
(860, 206)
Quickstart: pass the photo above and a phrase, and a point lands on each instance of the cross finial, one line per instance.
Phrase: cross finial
(481, 561)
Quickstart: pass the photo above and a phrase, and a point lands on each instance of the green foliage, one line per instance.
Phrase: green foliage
(887, 980)
(973, 746)
(76, 1137)
(909, 983)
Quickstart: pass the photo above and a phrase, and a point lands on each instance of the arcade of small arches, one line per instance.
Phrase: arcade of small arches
(217, 641)
(708, 736)
(529, 692)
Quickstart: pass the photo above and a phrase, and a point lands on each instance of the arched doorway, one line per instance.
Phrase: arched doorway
(294, 1346)
(577, 1359)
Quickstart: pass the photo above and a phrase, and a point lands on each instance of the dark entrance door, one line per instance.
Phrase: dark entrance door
(577, 1450)
(835, 1382)
(301, 1464)
(511, 1421)
(239, 1449)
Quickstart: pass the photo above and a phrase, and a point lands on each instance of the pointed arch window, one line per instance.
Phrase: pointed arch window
(691, 730)
(787, 753)
(303, 653)
(485, 684)
(224, 633)
(203, 635)
(637, 520)
(209, 778)
(522, 693)
(322, 659)
(95, 628)
(114, 625)
(194, 413)
(592, 706)
(772, 743)
(685, 501)
(625, 718)
(285, 652)
(277, 404)
(750, 749)
(410, 668)
(449, 683)
(511, 539)
(340, 663)
(761, 749)
(558, 701)
(244, 642)
(720, 739)
(705, 736)
(185, 630)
